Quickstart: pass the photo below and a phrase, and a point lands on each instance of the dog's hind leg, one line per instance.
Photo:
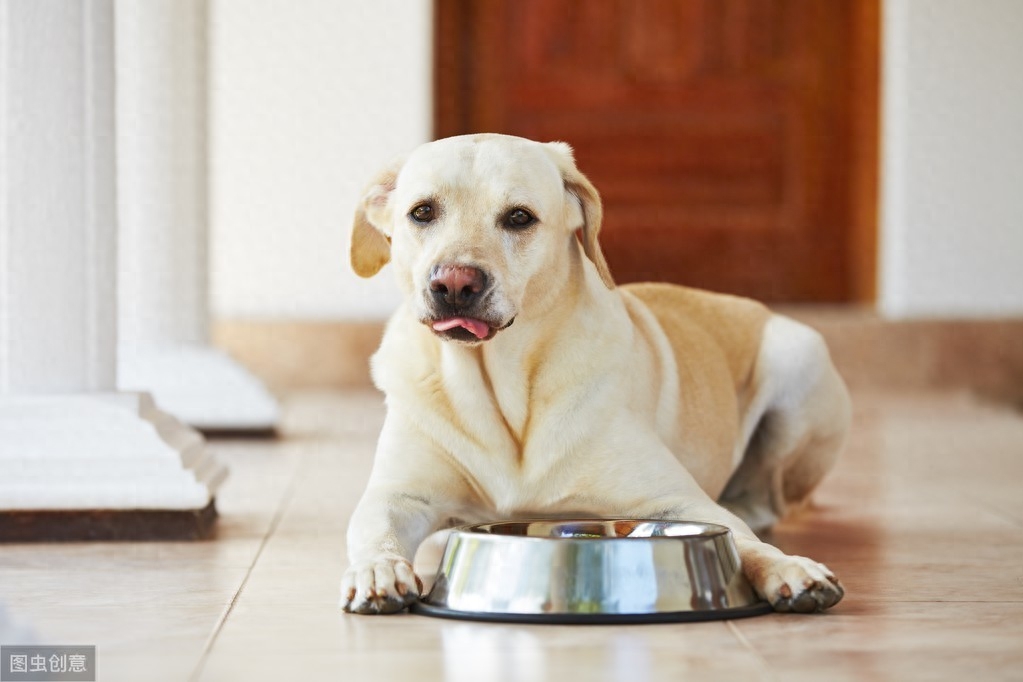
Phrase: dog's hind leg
(795, 426)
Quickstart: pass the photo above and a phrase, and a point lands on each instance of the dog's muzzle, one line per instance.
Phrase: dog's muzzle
(458, 296)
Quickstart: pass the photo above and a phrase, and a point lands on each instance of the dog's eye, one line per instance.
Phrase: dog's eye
(423, 213)
(519, 217)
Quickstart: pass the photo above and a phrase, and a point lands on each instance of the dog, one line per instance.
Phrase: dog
(521, 382)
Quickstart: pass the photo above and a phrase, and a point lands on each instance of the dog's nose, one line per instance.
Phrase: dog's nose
(457, 285)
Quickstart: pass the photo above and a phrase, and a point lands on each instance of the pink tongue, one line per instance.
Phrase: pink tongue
(478, 328)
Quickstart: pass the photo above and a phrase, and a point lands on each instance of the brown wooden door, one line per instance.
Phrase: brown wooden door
(721, 133)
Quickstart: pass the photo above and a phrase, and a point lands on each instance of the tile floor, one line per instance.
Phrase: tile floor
(923, 521)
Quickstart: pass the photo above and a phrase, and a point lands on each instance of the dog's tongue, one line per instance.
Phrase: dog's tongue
(478, 328)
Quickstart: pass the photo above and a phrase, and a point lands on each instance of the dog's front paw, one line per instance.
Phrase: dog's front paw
(386, 584)
(795, 583)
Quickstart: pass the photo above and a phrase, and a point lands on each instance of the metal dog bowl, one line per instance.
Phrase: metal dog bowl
(591, 571)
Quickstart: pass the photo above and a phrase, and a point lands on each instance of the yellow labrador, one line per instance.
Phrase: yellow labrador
(521, 382)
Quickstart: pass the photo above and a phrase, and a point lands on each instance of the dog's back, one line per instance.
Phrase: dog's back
(734, 324)
(715, 339)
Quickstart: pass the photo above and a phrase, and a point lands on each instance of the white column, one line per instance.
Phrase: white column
(68, 440)
(162, 202)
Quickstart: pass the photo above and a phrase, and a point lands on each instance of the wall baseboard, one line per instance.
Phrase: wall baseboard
(980, 355)
(302, 354)
(985, 356)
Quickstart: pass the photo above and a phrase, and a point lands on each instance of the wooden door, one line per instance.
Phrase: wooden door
(727, 137)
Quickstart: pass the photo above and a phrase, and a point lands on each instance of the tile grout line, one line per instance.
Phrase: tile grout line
(746, 644)
(271, 530)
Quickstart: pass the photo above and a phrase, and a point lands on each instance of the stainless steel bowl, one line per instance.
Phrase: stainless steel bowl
(591, 571)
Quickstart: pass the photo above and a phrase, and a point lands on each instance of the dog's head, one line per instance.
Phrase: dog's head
(479, 229)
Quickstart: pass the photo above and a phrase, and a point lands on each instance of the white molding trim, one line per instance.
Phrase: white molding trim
(101, 451)
(200, 385)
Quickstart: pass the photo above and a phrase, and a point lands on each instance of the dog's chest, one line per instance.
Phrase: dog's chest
(495, 396)
(510, 395)
(519, 426)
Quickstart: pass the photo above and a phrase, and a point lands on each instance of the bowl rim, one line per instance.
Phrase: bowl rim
(710, 530)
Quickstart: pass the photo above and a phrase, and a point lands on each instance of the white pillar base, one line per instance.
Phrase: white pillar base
(101, 451)
(198, 384)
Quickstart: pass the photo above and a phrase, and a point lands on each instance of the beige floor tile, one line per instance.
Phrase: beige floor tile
(894, 641)
(365, 648)
(133, 641)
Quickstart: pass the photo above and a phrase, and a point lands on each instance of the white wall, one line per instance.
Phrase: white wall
(951, 232)
(308, 99)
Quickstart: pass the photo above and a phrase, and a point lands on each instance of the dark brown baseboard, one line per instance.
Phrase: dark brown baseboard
(239, 434)
(107, 525)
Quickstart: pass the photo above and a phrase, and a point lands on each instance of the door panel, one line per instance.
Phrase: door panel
(718, 132)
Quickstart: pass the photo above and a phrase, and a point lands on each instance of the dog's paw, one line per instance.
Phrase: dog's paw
(798, 584)
(386, 584)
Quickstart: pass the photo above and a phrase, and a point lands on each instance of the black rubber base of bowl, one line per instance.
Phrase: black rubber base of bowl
(758, 609)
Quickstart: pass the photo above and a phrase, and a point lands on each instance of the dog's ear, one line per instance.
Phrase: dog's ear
(579, 186)
(371, 243)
